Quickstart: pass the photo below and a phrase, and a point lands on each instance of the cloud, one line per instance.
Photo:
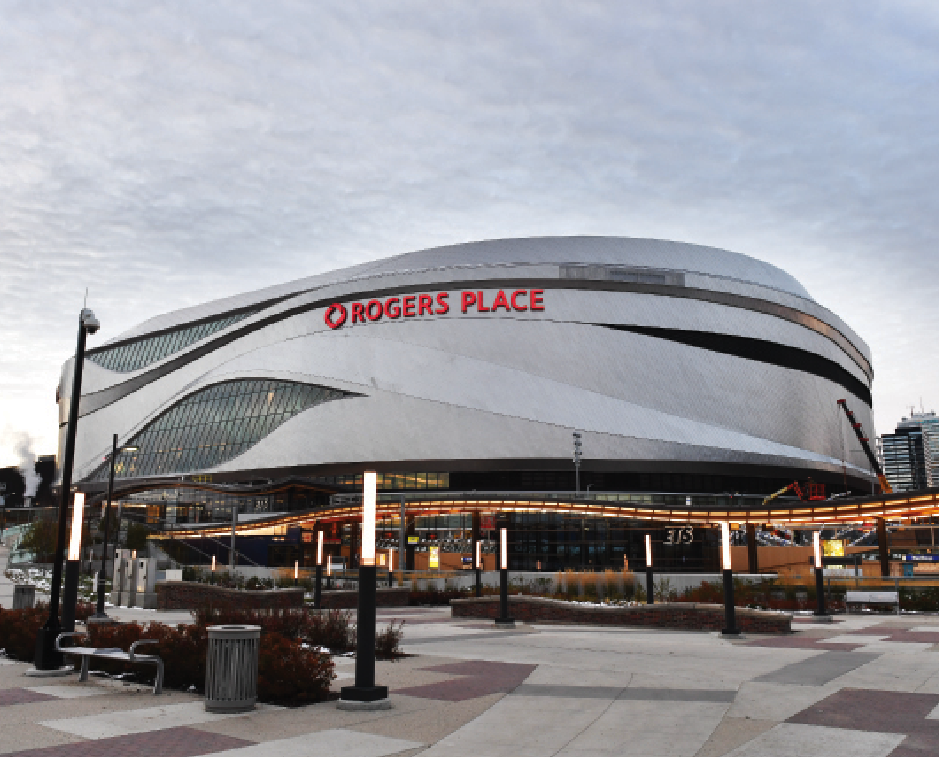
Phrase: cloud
(167, 154)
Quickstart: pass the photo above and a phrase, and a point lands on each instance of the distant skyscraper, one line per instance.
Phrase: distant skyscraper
(911, 453)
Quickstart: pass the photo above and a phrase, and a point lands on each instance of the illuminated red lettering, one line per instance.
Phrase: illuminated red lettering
(515, 295)
(467, 299)
(391, 307)
(442, 307)
(425, 302)
(336, 315)
(358, 312)
(374, 310)
(409, 306)
(501, 302)
(479, 304)
(536, 302)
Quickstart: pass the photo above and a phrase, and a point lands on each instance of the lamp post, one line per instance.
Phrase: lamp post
(115, 450)
(73, 563)
(479, 569)
(650, 589)
(504, 619)
(819, 576)
(365, 694)
(46, 656)
(578, 452)
(318, 588)
(730, 614)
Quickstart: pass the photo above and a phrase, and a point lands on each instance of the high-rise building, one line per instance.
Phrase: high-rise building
(911, 453)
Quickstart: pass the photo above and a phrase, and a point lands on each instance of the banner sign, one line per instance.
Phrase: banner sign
(417, 305)
(434, 557)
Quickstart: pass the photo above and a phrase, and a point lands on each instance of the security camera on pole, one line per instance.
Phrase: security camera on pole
(47, 658)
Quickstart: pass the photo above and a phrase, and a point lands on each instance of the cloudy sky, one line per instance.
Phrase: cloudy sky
(161, 154)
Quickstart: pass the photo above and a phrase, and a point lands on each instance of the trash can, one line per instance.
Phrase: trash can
(231, 669)
(24, 596)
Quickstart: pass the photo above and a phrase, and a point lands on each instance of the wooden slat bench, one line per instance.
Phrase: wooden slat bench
(113, 653)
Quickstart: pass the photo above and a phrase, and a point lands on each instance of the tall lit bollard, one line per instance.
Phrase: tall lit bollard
(365, 694)
(650, 588)
(73, 564)
(318, 587)
(819, 575)
(479, 569)
(504, 619)
(730, 614)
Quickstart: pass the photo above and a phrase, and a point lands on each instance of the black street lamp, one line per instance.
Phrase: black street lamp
(820, 610)
(730, 612)
(365, 694)
(504, 619)
(47, 658)
(115, 450)
(318, 588)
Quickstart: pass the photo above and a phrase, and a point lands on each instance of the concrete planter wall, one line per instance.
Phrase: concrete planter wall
(346, 599)
(676, 615)
(187, 595)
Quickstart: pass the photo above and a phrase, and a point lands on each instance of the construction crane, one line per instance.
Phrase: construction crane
(865, 445)
(814, 491)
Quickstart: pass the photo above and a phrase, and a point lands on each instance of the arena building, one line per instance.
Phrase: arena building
(689, 371)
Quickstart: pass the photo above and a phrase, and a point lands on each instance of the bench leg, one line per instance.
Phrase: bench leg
(86, 661)
(158, 683)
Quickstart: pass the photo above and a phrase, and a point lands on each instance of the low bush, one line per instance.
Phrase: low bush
(19, 628)
(331, 629)
(388, 642)
(290, 673)
(18, 631)
(288, 670)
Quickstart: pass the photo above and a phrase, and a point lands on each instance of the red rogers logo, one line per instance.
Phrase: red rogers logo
(412, 305)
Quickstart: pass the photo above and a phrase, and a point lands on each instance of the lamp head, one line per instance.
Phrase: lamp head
(129, 448)
(89, 322)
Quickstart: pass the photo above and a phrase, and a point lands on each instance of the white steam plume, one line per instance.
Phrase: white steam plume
(23, 443)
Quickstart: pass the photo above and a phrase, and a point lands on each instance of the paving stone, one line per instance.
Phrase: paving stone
(169, 742)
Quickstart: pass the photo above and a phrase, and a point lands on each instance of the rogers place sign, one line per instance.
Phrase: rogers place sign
(416, 305)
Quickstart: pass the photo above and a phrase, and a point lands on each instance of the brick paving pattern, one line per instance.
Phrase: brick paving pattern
(881, 712)
(169, 742)
(477, 678)
(21, 696)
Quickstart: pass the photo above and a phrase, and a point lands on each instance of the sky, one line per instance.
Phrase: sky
(163, 154)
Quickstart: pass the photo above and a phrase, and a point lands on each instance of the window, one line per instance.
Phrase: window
(134, 355)
(185, 438)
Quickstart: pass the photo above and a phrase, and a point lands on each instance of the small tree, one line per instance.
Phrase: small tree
(40, 539)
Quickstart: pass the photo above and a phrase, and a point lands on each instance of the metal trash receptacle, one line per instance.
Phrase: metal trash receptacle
(231, 670)
(24, 596)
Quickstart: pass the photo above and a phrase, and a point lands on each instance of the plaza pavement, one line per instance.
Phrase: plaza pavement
(864, 686)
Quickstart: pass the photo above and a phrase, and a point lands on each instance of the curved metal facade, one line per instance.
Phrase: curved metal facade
(485, 356)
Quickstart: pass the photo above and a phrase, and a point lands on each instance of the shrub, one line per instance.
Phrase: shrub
(388, 642)
(289, 673)
(18, 631)
(330, 629)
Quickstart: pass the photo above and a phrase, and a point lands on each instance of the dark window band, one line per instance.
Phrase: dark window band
(760, 350)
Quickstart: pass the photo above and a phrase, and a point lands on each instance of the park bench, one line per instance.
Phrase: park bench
(113, 653)
(872, 598)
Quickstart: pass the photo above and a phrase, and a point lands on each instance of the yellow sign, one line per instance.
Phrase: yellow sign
(833, 547)
(434, 557)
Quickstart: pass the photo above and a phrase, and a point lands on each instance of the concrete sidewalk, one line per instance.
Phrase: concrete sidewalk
(864, 686)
